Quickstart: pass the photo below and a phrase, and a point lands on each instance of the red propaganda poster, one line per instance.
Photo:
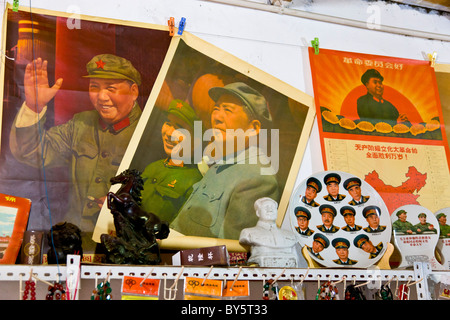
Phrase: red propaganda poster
(380, 118)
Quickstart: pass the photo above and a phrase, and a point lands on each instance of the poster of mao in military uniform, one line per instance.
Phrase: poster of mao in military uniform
(380, 118)
(217, 134)
(74, 88)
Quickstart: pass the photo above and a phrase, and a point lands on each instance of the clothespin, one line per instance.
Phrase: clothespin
(15, 7)
(315, 45)
(181, 26)
(432, 57)
(171, 23)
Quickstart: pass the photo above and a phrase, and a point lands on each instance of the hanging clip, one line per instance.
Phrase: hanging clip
(146, 277)
(432, 57)
(15, 7)
(171, 23)
(235, 278)
(315, 45)
(181, 26)
(170, 293)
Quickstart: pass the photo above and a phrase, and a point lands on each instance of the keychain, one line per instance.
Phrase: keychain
(327, 291)
(56, 292)
(354, 293)
(403, 292)
(270, 291)
(384, 293)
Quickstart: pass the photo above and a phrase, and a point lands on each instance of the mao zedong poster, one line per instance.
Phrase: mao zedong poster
(216, 135)
(380, 119)
(86, 69)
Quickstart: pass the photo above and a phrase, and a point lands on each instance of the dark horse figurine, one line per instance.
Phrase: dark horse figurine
(136, 230)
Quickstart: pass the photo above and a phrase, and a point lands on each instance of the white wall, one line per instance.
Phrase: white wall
(277, 42)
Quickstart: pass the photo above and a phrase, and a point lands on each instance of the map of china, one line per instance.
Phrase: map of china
(395, 197)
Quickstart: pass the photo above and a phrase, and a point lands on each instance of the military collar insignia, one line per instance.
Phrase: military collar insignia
(116, 127)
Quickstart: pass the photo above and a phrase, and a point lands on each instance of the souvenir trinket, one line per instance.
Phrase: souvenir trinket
(56, 292)
(384, 293)
(287, 293)
(403, 292)
(30, 288)
(354, 293)
(102, 291)
(327, 291)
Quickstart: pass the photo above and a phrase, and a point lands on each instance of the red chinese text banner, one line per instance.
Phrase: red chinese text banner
(380, 118)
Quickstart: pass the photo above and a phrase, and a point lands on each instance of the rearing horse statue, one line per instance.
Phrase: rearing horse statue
(136, 230)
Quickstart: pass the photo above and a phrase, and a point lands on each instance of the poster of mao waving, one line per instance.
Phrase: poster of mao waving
(380, 118)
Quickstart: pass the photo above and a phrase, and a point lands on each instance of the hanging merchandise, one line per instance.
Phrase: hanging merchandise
(384, 293)
(30, 289)
(202, 289)
(327, 291)
(136, 288)
(403, 292)
(236, 289)
(354, 293)
(56, 292)
(270, 290)
(102, 291)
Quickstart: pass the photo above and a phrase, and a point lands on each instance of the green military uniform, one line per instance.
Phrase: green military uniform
(330, 178)
(342, 243)
(313, 183)
(221, 204)
(372, 109)
(402, 226)
(94, 153)
(303, 212)
(421, 228)
(361, 239)
(346, 210)
(330, 209)
(367, 211)
(320, 238)
(168, 185)
(444, 228)
(91, 149)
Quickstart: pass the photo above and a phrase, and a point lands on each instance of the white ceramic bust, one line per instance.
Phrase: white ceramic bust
(270, 246)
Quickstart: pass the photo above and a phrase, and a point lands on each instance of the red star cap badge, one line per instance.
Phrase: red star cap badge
(179, 105)
(100, 64)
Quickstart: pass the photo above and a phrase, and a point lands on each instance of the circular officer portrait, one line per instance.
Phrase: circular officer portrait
(341, 219)
(416, 233)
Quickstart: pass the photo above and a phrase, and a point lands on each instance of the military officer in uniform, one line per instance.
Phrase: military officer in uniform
(363, 242)
(92, 143)
(313, 187)
(341, 245)
(444, 227)
(423, 225)
(328, 213)
(168, 182)
(372, 216)
(332, 181)
(349, 216)
(221, 203)
(303, 216)
(401, 224)
(372, 106)
(353, 186)
(320, 242)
